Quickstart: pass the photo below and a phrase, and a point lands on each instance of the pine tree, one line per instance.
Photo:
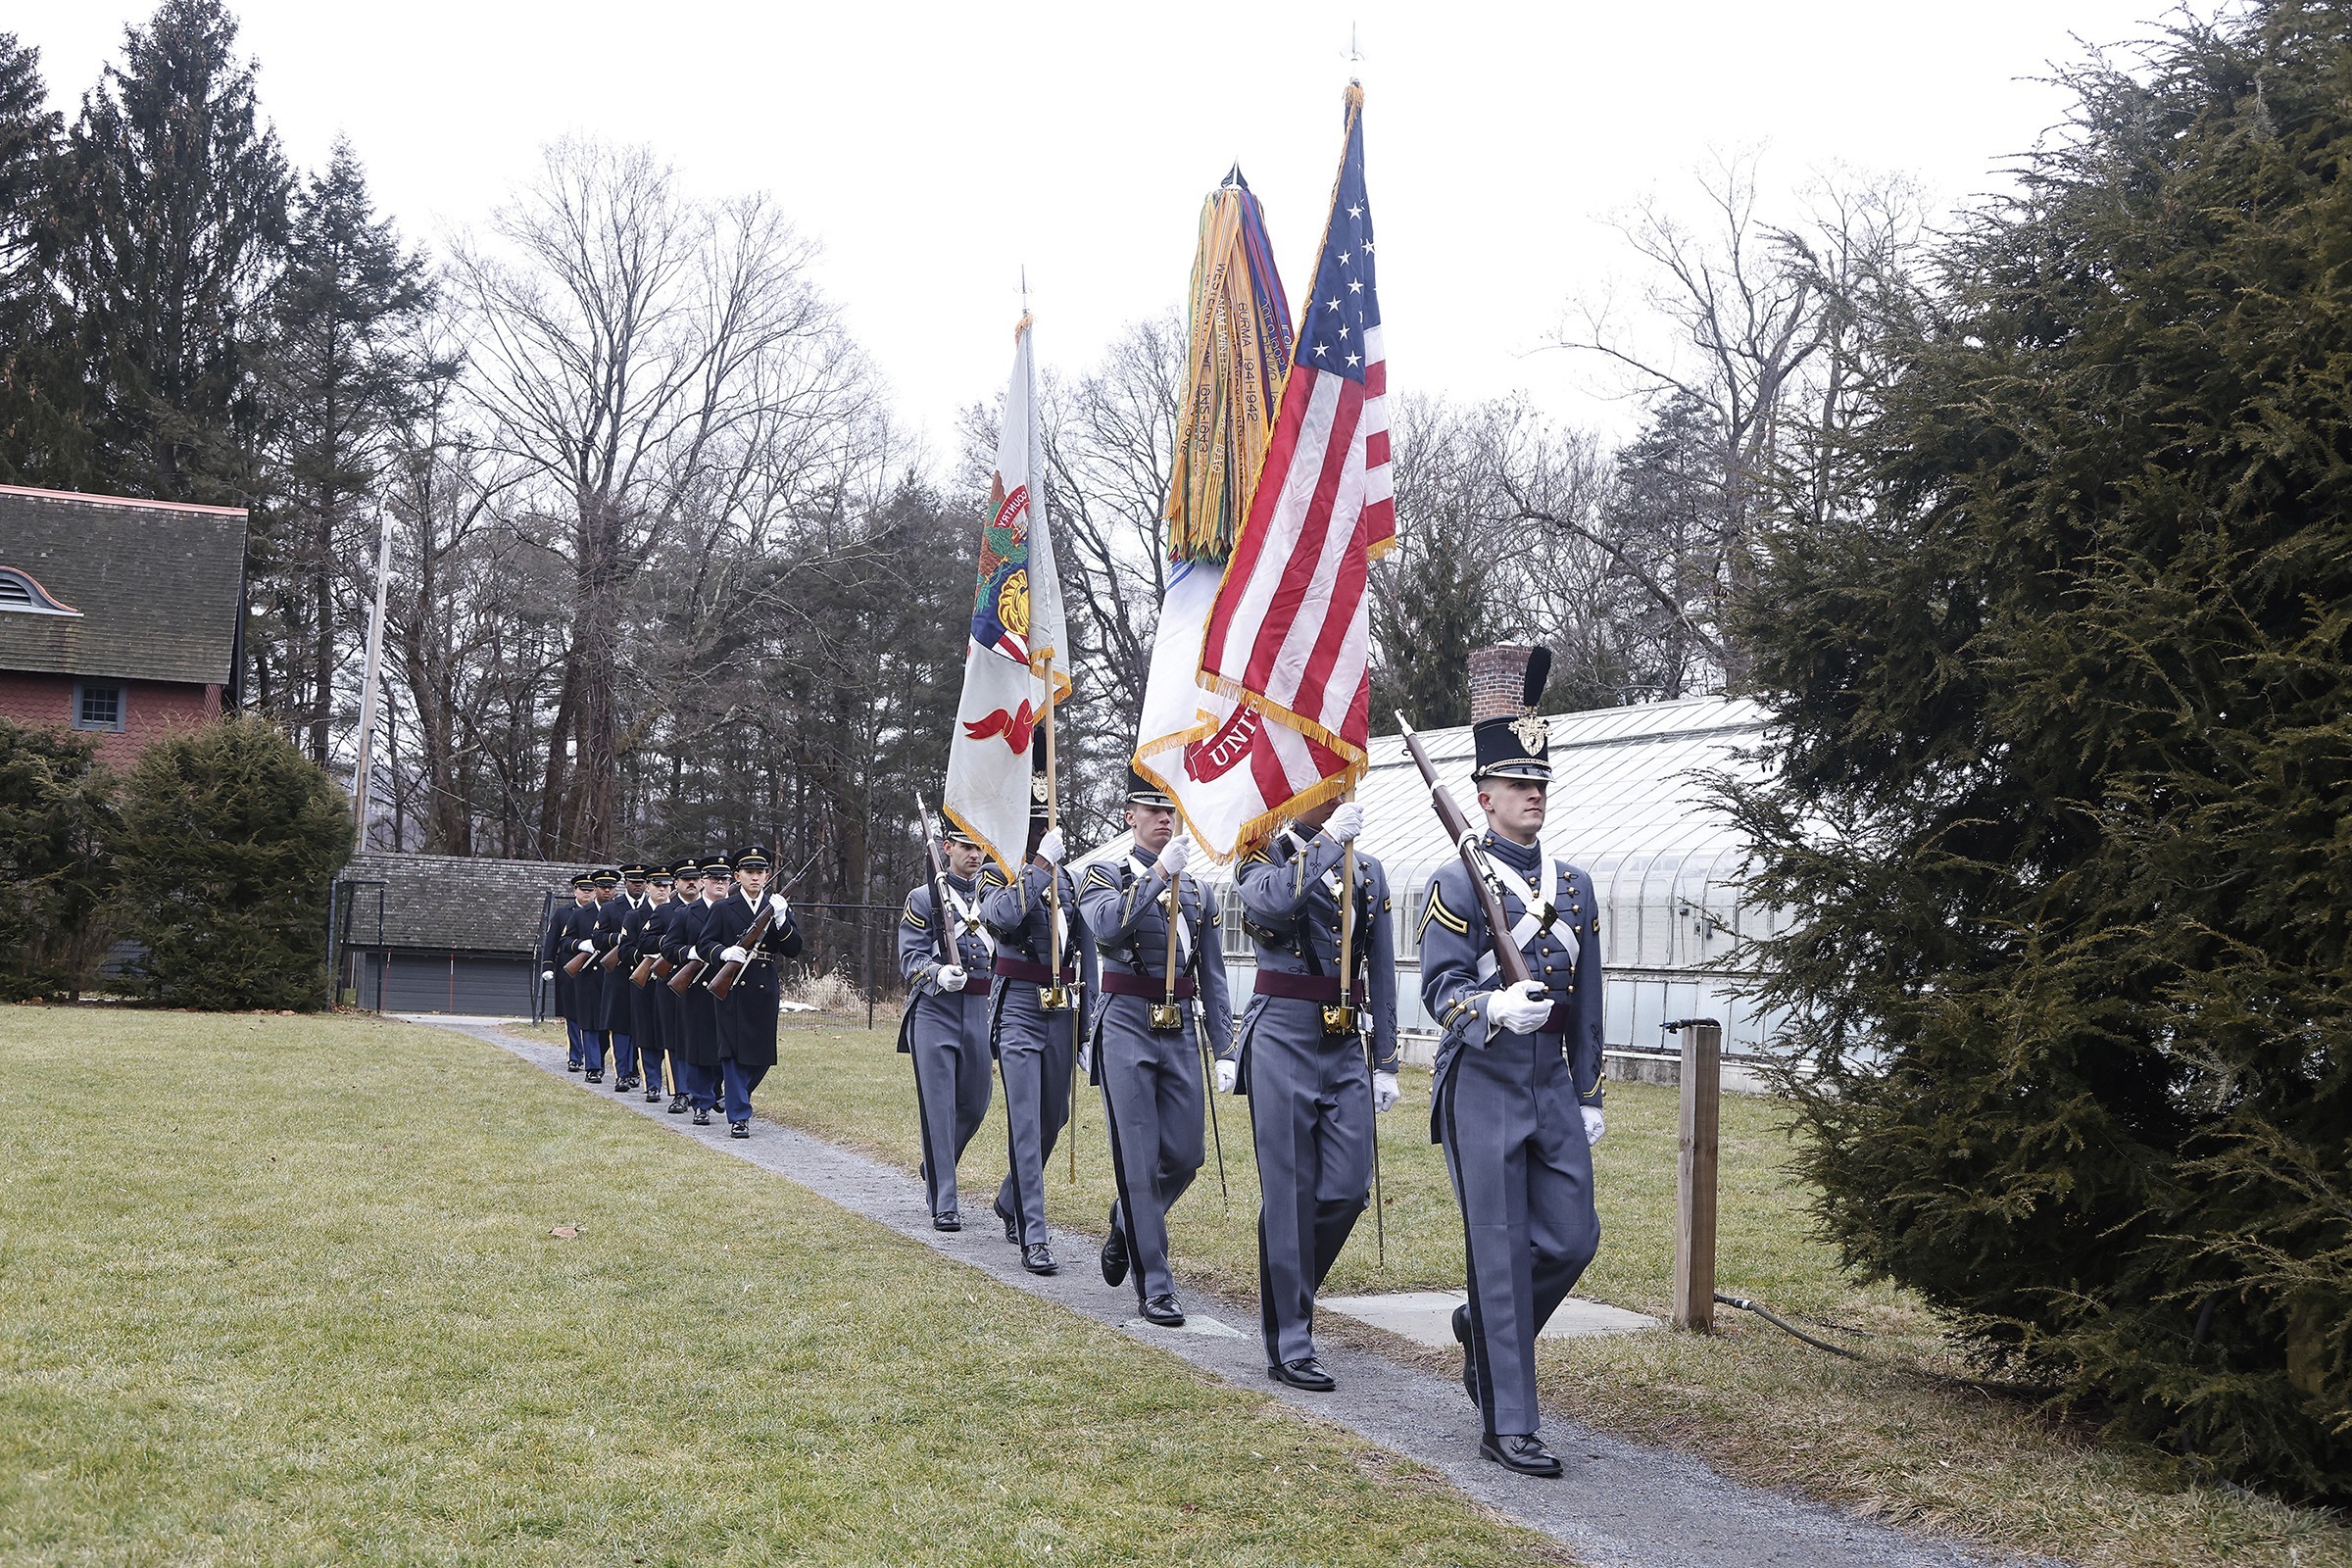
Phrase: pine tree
(340, 376)
(1429, 613)
(175, 213)
(30, 135)
(2064, 759)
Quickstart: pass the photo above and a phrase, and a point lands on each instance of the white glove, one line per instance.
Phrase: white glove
(1346, 822)
(693, 954)
(1595, 1126)
(1519, 1009)
(735, 956)
(587, 947)
(1172, 859)
(952, 977)
(1383, 1093)
(547, 974)
(775, 901)
(1049, 848)
(1228, 1072)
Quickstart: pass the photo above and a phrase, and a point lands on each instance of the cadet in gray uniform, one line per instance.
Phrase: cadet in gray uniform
(1145, 1055)
(944, 1028)
(1517, 1091)
(1312, 1096)
(1035, 1045)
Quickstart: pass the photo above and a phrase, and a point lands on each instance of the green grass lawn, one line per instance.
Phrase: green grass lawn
(1752, 1401)
(279, 1289)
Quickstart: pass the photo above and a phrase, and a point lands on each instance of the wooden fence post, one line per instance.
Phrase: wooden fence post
(1694, 1198)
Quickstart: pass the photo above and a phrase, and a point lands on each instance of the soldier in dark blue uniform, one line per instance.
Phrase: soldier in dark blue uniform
(1517, 1091)
(944, 1028)
(555, 952)
(747, 1014)
(684, 944)
(1034, 1017)
(642, 940)
(588, 986)
(616, 923)
(1145, 1055)
(686, 898)
(1300, 1060)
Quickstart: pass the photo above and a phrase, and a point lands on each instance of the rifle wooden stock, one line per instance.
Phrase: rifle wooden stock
(611, 958)
(688, 972)
(644, 970)
(1509, 961)
(579, 961)
(724, 981)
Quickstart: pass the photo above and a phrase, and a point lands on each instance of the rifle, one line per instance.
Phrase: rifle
(724, 981)
(941, 941)
(653, 966)
(1509, 961)
(579, 961)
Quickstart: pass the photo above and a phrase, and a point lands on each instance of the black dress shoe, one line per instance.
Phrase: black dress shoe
(1305, 1373)
(1522, 1453)
(652, 1097)
(739, 1129)
(1163, 1310)
(596, 1077)
(571, 1066)
(1114, 1256)
(1461, 1337)
(677, 1104)
(1037, 1259)
(702, 1118)
(1012, 1226)
(948, 1221)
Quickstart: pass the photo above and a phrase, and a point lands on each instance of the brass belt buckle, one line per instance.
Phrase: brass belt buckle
(1339, 1018)
(1054, 997)
(1167, 1015)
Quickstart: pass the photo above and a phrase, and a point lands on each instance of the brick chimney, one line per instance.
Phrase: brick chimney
(1497, 682)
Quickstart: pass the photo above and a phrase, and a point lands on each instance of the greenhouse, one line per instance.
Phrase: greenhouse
(1630, 805)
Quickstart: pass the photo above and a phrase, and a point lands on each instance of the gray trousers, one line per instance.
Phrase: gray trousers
(1515, 1148)
(1152, 1096)
(1034, 1050)
(947, 1040)
(1311, 1118)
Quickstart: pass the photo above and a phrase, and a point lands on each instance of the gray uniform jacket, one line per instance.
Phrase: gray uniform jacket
(1126, 915)
(1563, 957)
(1015, 912)
(928, 1007)
(1291, 909)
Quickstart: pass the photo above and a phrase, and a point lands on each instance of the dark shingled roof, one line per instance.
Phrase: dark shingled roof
(451, 902)
(157, 586)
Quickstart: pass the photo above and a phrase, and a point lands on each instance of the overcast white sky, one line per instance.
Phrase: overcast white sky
(935, 149)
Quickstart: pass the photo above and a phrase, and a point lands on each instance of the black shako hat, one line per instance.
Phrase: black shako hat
(755, 857)
(1141, 790)
(1512, 740)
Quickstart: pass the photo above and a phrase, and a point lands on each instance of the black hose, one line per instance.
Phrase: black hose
(2036, 1392)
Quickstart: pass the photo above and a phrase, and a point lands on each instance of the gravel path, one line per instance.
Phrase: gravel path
(1619, 1506)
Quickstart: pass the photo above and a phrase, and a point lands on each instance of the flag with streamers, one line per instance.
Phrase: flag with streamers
(1017, 650)
(1285, 640)
(1238, 351)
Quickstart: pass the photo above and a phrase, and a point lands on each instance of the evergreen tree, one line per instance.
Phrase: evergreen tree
(30, 135)
(2064, 762)
(340, 378)
(56, 808)
(174, 214)
(237, 836)
(1431, 611)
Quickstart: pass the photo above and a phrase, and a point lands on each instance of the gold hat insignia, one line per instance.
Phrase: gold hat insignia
(1534, 732)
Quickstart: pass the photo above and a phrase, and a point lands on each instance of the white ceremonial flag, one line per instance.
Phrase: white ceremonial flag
(1017, 643)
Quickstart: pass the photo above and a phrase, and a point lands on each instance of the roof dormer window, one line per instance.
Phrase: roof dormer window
(21, 593)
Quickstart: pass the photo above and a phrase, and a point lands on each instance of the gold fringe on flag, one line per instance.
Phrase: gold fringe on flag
(1238, 353)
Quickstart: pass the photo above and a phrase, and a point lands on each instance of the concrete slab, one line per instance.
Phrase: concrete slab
(1426, 1317)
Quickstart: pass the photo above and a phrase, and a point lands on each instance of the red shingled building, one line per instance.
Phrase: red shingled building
(118, 618)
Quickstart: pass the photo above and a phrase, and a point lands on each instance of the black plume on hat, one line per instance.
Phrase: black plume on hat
(1538, 675)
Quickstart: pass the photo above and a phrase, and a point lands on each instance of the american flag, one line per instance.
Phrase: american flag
(1288, 634)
